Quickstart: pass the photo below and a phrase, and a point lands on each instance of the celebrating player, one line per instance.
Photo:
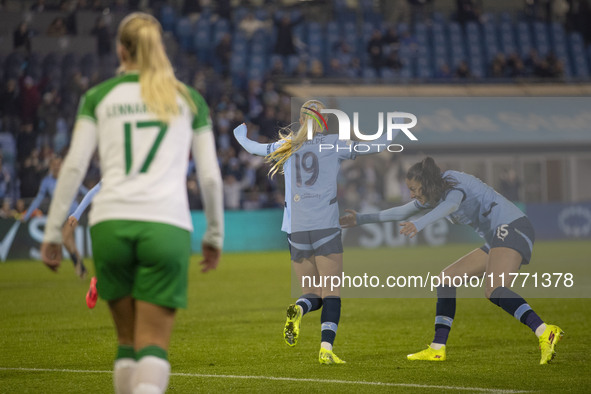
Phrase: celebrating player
(311, 216)
(144, 123)
(68, 233)
(509, 237)
(47, 188)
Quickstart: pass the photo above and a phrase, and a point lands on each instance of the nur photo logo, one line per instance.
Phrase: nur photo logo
(394, 122)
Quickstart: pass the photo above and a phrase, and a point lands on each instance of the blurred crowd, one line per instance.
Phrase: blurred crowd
(37, 115)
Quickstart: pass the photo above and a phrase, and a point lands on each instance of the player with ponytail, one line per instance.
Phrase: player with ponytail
(311, 216)
(144, 123)
(509, 236)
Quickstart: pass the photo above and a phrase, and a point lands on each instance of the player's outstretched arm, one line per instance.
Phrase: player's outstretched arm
(252, 147)
(85, 202)
(402, 212)
(449, 205)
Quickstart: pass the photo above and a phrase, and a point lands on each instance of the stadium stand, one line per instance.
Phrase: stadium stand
(331, 44)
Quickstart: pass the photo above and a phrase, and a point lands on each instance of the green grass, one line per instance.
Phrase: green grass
(234, 323)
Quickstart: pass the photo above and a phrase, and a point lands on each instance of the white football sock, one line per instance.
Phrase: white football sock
(122, 373)
(436, 346)
(151, 375)
(326, 345)
(540, 330)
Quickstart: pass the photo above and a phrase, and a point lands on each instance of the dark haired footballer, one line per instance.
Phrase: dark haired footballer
(509, 236)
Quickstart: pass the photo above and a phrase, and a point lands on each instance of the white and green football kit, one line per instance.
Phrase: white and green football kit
(143, 195)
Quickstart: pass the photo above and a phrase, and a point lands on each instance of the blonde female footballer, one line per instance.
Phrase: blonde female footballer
(144, 123)
(311, 216)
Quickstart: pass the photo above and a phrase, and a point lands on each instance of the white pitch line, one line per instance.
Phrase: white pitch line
(286, 379)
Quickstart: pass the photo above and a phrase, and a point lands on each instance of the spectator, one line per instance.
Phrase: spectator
(5, 180)
(420, 9)
(232, 192)
(224, 9)
(194, 194)
(393, 62)
(343, 53)
(335, 69)
(39, 6)
(467, 11)
(6, 209)
(249, 25)
(19, 210)
(191, 7)
(515, 67)
(277, 69)
(443, 72)
(30, 174)
(284, 44)
(21, 37)
(531, 62)
(354, 70)
(270, 95)
(26, 141)
(393, 181)
(555, 66)
(57, 28)
(301, 70)
(268, 124)
(463, 71)
(498, 66)
(375, 50)
(391, 39)
(223, 51)
(577, 18)
(29, 99)
(252, 200)
(47, 115)
(316, 69)
(103, 37)
(559, 10)
(9, 102)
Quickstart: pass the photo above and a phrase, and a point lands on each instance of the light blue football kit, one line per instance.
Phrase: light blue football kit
(474, 203)
(311, 214)
(47, 188)
(86, 201)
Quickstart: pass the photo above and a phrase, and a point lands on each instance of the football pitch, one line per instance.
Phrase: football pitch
(230, 337)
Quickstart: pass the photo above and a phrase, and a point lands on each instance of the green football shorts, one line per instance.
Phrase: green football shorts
(146, 260)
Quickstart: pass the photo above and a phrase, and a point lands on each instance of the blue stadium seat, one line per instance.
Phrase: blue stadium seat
(88, 64)
(167, 18)
(237, 63)
(406, 72)
(541, 38)
(261, 13)
(258, 48)
(184, 34)
(369, 73)
(577, 50)
(202, 34)
(238, 14)
(256, 74)
(257, 61)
